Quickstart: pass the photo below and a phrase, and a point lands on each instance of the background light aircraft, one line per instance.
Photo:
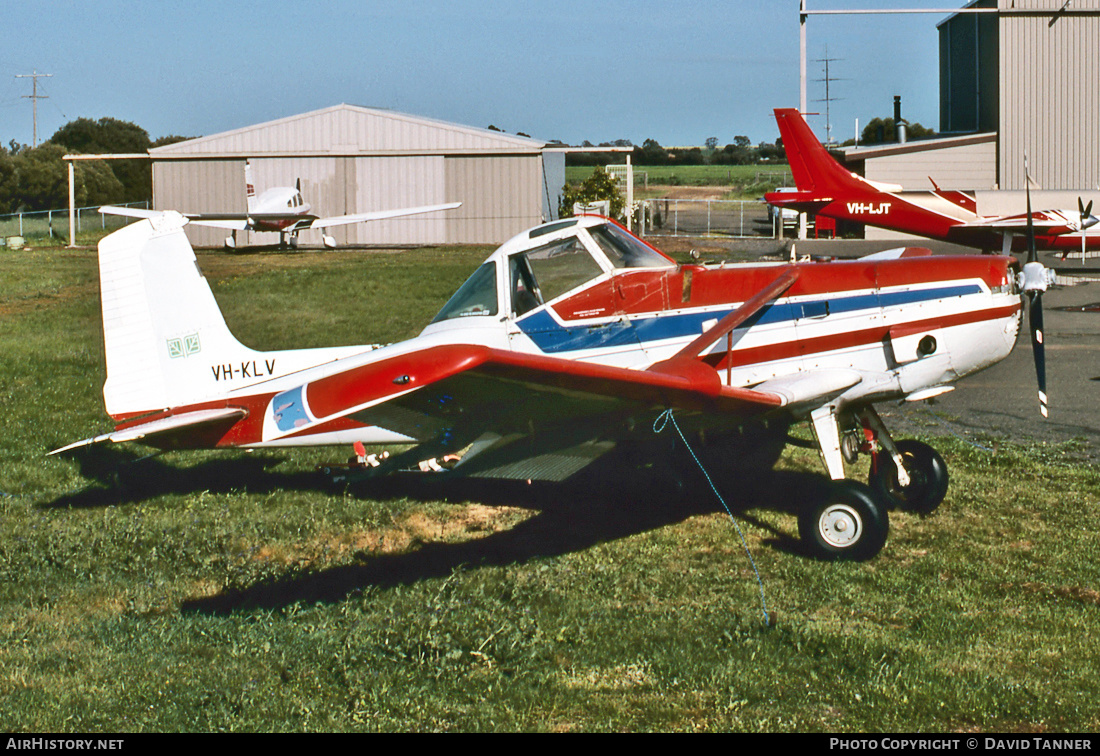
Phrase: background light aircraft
(280, 209)
(574, 338)
(824, 187)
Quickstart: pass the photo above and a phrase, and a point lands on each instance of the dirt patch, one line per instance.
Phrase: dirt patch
(690, 192)
(468, 522)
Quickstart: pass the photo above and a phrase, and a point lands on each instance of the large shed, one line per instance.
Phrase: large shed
(351, 159)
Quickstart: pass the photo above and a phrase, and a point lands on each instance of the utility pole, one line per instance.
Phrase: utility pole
(35, 97)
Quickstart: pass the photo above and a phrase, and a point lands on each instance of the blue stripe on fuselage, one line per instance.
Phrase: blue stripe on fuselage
(551, 337)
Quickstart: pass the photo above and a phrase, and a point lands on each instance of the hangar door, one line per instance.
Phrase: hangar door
(387, 183)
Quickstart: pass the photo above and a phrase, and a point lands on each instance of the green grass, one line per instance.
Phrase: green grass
(244, 592)
(740, 181)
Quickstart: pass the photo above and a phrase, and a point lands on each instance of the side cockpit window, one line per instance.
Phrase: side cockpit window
(545, 273)
(525, 292)
(478, 296)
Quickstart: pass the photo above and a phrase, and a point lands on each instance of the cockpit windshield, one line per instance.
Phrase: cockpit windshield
(478, 296)
(626, 251)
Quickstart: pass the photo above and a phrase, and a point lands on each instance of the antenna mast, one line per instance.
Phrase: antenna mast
(828, 98)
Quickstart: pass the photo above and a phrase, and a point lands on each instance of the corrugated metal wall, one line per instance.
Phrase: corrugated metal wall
(500, 197)
(1050, 104)
(966, 167)
(200, 187)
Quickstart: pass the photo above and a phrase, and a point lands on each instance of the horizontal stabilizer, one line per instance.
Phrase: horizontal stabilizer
(161, 426)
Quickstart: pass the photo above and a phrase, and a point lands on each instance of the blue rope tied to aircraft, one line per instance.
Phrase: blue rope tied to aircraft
(659, 425)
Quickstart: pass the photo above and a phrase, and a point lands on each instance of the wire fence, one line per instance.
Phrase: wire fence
(743, 219)
(54, 224)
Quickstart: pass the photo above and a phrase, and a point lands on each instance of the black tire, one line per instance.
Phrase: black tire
(928, 478)
(848, 525)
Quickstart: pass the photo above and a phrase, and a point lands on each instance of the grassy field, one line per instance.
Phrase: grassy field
(740, 181)
(245, 592)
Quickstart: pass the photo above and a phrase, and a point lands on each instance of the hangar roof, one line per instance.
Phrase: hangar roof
(350, 130)
(919, 145)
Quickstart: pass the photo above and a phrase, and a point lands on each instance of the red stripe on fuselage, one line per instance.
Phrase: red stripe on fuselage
(797, 348)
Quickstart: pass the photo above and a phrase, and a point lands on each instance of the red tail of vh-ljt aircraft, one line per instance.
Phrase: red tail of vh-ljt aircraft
(825, 187)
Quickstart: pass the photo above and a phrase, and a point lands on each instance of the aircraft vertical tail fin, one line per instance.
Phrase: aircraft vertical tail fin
(160, 319)
(249, 187)
(813, 168)
(166, 340)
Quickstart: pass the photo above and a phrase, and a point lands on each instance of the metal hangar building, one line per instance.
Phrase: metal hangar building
(1016, 78)
(352, 159)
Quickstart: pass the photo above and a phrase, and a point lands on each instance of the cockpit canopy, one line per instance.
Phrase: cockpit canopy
(547, 262)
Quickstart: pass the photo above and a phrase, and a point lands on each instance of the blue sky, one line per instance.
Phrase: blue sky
(677, 72)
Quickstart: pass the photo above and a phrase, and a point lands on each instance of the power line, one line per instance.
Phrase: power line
(35, 97)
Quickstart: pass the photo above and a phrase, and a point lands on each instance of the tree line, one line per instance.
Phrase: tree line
(37, 178)
(739, 152)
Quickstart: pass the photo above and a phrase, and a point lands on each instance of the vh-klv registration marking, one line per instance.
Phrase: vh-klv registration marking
(246, 369)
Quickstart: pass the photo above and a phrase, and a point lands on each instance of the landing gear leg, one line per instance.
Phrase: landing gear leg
(850, 523)
(906, 474)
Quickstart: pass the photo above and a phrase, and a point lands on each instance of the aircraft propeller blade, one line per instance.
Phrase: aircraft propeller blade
(1034, 281)
(1035, 320)
(1086, 221)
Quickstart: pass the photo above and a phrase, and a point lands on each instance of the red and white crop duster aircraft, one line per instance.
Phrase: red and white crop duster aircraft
(280, 209)
(574, 337)
(824, 187)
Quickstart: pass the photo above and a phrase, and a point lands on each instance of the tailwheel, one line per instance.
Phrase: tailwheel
(849, 524)
(927, 478)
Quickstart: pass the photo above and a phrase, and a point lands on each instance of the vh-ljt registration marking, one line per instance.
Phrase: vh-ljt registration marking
(247, 369)
(869, 208)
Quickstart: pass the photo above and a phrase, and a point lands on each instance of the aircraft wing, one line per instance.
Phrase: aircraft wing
(131, 212)
(343, 220)
(523, 416)
(1045, 223)
(234, 221)
(299, 222)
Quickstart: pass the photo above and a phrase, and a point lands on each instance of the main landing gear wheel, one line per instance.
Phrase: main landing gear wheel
(849, 524)
(927, 478)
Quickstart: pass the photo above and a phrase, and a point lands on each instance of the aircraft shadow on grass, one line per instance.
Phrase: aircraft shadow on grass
(605, 504)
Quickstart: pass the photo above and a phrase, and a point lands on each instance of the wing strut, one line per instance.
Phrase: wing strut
(749, 308)
(686, 363)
